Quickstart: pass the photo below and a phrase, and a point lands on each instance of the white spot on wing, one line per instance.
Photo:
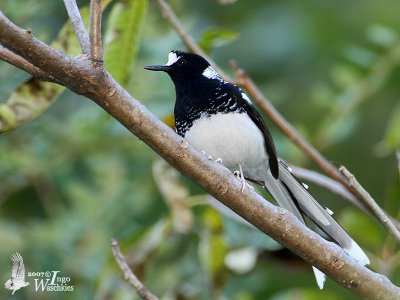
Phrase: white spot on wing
(305, 185)
(244, 96)
(172, 58)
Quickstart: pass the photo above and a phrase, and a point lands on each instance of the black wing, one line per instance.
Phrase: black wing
(269, 142)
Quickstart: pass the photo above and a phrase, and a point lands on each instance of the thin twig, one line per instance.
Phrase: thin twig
(333, 186)
(190, 43)
(79, 26)
(326, 182)
(95, 31)
(378, 212)
(142, 291)
(23, 64)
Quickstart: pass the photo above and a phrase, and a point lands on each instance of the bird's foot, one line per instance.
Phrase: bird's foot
(240, 176)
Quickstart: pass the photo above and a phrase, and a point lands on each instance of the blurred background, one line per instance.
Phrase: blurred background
(72, 177)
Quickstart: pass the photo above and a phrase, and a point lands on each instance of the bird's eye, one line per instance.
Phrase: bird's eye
(181, 62)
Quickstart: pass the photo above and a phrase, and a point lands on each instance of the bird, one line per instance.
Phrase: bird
(17, 280)
(220, 120)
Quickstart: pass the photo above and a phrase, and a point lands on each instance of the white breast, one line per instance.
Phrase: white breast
(234, 138)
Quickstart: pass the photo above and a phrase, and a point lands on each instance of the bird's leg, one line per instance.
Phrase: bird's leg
(239, 175)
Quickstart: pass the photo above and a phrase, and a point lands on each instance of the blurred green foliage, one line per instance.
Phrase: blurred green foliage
(73, 178)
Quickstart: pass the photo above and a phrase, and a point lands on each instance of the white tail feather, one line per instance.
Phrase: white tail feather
(319, 277)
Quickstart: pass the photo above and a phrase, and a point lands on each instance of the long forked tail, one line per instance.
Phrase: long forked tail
(291, 194)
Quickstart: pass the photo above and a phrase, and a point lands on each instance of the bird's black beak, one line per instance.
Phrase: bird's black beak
(158, 68)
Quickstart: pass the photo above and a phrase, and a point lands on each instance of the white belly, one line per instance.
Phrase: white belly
(234, 138)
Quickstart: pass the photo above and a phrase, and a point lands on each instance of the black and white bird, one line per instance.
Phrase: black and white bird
(218, 119)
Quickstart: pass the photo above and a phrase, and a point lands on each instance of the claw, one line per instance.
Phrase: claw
(240, 176)
(219, 160)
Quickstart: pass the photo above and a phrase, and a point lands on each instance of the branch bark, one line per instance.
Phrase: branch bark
(86, 78)
(21, 63)
(142, 291)
(96, 53)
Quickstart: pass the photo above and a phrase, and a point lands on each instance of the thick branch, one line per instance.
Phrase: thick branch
(142, 291)
(371, 203)
(284, 227)
(62, 67)
(79, 26)
(23, 64)
(95, 31)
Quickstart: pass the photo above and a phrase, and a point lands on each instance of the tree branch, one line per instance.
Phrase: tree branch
(16, 60)
(42, 56)
(334, 187)
(356, 186)
(95, 31)
(97, 84)
(328, 183)
(142, 291)
(79, 26)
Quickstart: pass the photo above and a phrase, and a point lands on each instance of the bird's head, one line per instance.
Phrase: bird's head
(182, 66)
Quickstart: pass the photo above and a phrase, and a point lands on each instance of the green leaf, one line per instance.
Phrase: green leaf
(217, 37)
(175, 194)
(365, 231)
(212, 247)
(122, 37)
(392, 134)
(382, 35)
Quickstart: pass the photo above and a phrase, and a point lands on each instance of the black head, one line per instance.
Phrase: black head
(182, 66)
